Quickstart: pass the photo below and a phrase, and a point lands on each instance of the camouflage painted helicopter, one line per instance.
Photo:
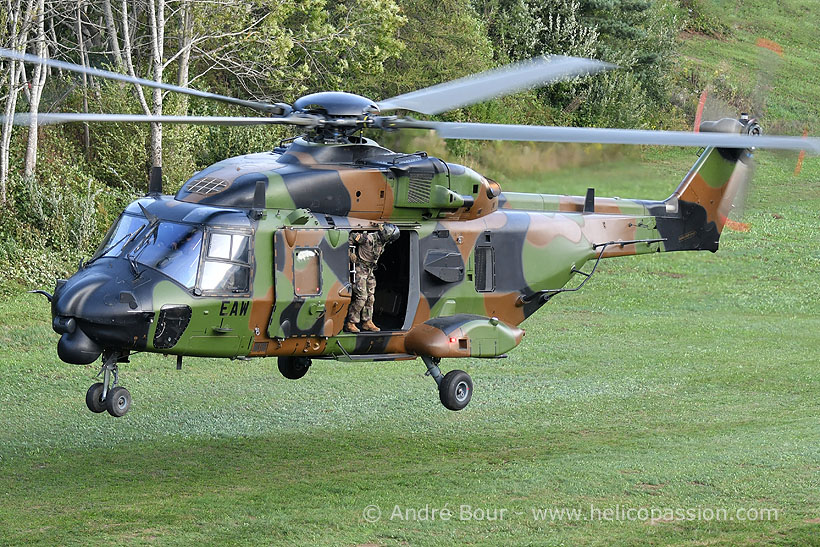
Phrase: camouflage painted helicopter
(250, 257)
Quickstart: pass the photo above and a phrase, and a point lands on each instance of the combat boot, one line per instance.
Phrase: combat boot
(350, 326)
(371, 326)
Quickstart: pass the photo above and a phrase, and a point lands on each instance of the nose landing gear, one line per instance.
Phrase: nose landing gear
(455, 389)
(107, 395)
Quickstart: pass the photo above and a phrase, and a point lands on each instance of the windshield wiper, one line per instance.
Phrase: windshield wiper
(132, 256)
(120, 240)
(133, 262)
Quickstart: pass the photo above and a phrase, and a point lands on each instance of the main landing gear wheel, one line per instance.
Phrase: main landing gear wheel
(455, 389)
(294, 368)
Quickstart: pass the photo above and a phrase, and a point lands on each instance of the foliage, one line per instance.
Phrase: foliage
(296, 47)
(442, 40)
(55, 225)
(278, 51)
(639, 36)
(702, 19)
(521, 29)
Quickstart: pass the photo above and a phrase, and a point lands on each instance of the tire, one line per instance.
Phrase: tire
(93, 398)
(294, 368)
(118, 402)
(456, 390)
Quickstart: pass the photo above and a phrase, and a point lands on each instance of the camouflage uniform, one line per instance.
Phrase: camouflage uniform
(368, 247)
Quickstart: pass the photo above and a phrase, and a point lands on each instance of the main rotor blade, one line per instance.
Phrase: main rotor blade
(545, 133)
(494, 83)
(277, 109)
(69, 117)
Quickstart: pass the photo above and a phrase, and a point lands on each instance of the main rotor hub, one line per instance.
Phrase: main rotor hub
(342, 115)
(336, 104)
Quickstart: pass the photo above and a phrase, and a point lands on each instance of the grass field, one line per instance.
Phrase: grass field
(671, 382)
(683, 382)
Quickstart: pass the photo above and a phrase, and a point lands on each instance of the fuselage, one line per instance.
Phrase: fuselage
(211, 273)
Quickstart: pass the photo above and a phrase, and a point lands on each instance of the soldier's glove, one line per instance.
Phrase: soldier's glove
(351, 252)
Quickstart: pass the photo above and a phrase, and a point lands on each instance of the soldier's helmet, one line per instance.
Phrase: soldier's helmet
(389, 233)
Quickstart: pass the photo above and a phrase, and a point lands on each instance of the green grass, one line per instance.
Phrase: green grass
(793, 79)
(672, 381)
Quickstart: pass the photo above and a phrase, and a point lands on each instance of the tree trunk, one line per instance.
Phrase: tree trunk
(186, 37)
(129, 62)
(38, 81)
(18, 30)
(111, 30)
(81, 45)
(157, 19)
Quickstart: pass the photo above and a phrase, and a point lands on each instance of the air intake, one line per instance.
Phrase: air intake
(207, 186)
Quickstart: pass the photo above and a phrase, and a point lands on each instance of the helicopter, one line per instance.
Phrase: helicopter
(250, 258)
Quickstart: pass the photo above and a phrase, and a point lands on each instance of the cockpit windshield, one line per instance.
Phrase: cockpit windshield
(176, 250)
(173, 249)
(125, 230)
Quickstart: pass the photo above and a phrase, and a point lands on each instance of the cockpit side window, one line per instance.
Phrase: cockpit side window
(233, 247)
(226, 268)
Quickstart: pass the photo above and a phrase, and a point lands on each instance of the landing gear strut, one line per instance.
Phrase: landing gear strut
(455, 389)
(107, 395)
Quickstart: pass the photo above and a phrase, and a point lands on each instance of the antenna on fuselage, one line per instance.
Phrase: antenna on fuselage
(258, 209)
(155, 182)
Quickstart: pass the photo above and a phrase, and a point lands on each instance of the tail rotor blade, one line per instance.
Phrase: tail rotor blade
(733, 204)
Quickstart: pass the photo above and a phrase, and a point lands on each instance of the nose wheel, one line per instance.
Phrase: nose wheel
(455, 389)
(107, 395)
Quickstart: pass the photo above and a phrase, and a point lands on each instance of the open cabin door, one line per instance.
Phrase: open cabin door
(397, 284)
(312, 291)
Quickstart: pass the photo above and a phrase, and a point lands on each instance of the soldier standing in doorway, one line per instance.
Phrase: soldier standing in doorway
(365, 250)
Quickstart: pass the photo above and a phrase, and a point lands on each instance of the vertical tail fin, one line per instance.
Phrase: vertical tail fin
(715, 182)
(708, 192)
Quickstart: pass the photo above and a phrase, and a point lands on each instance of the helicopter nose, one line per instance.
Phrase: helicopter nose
(74, 346)
(70, 301)
(99, 308)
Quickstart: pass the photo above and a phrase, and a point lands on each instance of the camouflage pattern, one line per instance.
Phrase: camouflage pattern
(364, 293)
(367, 248)
(472, 263)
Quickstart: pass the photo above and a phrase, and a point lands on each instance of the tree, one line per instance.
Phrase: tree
(521, 29)
(38, 82)
(637, 35)
(441, 41)
(18, 21)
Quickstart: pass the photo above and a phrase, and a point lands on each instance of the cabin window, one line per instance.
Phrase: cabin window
(307, 272)
(226, 268)
(484, 269)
